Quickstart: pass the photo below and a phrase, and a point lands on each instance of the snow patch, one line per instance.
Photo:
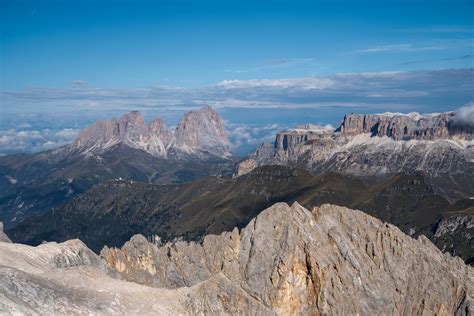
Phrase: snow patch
(11, 179)
(313, 128)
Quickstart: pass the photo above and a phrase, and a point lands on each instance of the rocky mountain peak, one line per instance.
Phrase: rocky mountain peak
(157, 125)
(203, 130)
(98, 135)
(199, 132)
(289, 260)
(132, 122)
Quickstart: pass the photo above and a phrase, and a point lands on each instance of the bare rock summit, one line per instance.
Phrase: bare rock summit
(204, 131)
(286, 261)
(290, 261)
(199, 133)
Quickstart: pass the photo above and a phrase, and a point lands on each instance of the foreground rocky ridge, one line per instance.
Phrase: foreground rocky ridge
(375, 145)
(287, 260)
(69, 279)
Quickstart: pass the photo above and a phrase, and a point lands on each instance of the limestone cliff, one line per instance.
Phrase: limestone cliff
(199, 132)
(377, 145)
(204, 131)
(289, 260)
(405, 126)
(286, 261)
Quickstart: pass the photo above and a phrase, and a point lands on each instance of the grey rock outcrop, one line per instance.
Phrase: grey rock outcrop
(289, 260)
(405, 126)
(198, 132)
(202, 130)
(130, 130)
(69, 279)
(455, 233)
(451, 224)
(3, 236)
(376, 145)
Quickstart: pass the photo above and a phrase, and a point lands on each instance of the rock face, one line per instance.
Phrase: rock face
(455, 233)
(3, 236)
(375, 145)
(405, 126)
(69, 279)
(289, 260)
(202, 130)
(198, 132)
(286, 261)
(130, 130)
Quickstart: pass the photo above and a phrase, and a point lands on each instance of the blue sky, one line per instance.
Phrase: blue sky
(75, 61)
(193, 43)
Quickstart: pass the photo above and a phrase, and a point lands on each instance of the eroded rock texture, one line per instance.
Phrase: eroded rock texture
(378, 145)
(69, 279)
(3, 236)
(289, 260)
(405, 127)
(199, 133)
(202, 130)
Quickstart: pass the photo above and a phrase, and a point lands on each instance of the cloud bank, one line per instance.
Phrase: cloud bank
(252, 106)
(394, 91)
(13, 141)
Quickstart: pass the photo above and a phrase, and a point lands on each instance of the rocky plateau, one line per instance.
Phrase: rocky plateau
(380, 144)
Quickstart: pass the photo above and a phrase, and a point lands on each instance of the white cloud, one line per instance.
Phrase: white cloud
(465, 115)
(385, 48)
(396, 94)
(298, 83)
(245, 137)
(398, 48)
(34, 140)
(78, 83)
(274, 64)
(389, 90)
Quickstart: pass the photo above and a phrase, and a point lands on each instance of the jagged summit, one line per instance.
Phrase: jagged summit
(199, 132)
(203, 129)
(290, 261)
(287, 261)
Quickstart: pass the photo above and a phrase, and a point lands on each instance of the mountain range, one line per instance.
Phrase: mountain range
(171, 220)
(126, 148)
(411, 170)
(199, 133)
(441, 146)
